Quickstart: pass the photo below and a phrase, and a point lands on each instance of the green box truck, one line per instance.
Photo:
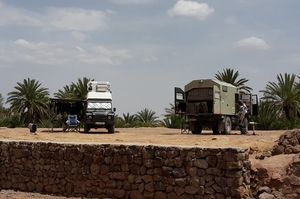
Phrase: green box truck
(213, 104)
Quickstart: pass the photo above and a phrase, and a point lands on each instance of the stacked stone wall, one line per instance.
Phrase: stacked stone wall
(124, 171)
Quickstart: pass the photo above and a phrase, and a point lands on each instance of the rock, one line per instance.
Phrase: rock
(30, 186)
(147, 178)
(160, 195)
(118, 193)
(234, 165)
(288, 143)
(212, 161)
(294, 180)
(295, 165)
(149, 187)
(95, 169)
(159, 186)
(136, 195)
(288, 149)
(200, 163)
(195, 181)
(180, 182)
(192, 171)
(262, 173)
(179, 172)
(260, 157)
(264, 189)
(266, 196)
(191, 189)
(173, 195)
(178, 162)
(277, 149)
(296, 149)
(131, 178)
(179, 191)
(118, 175)
(278, 195)
(104, 169)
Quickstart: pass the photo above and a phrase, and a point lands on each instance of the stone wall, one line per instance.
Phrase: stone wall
(124, 171)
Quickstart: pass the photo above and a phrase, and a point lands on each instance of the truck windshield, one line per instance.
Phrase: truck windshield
(99, 105)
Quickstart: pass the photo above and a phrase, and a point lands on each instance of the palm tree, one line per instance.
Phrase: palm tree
(1, 101)
(268, 118)
(81, 88)
(128, 120)
(68, 92)
(170, 111)
(284, 95)
(230, 76)
(29, 99)
(172, 120)
(77, 90)
(147, 118)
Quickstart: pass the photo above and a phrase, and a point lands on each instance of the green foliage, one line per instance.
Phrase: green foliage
(11, 121)
(230, 76)
(118, 122)
(268, 118)
(81, 88)
(172, 120)
(127, 121)
(29, 100)
(77, 90)
(68, 92)
(1, 101)
(283, 95)
(147, 118)
(280, 104)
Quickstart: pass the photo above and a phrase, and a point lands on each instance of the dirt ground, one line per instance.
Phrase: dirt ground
(261, 141)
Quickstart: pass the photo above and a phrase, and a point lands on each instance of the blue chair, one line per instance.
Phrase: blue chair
(72, 124)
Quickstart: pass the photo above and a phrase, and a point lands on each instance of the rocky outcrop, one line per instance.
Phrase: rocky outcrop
(121, 171)
(278, 176)
(291, 186)
(288, 143)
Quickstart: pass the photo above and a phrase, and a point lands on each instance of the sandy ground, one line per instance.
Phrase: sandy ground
(261, 141)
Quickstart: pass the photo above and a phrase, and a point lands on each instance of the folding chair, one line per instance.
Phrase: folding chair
(72, 123)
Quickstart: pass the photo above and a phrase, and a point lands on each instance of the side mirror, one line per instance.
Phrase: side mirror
(114, 109)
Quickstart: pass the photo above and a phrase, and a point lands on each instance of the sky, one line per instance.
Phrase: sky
(145, 48)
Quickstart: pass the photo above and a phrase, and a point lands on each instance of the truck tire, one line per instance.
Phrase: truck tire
(215, 128)
(111, 129)
(227, 125)
(244, 127)
(197, 129)
(86, 129)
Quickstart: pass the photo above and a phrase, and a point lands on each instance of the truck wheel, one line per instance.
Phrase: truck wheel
(244, 127)
(111, 129)
(215, 128)
(198, 130)
(227, 125)
(86, 129)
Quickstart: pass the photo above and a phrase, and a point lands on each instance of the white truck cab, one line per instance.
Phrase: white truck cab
(99, 112)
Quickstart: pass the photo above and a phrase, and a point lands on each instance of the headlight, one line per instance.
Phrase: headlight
(90, 117)
(109, 117)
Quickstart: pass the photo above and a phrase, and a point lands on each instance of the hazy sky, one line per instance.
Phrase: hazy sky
(146, 47)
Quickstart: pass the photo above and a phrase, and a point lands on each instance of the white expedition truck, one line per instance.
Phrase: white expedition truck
(98, 111)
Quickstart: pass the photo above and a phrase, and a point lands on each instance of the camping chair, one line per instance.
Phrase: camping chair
(72, 124)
